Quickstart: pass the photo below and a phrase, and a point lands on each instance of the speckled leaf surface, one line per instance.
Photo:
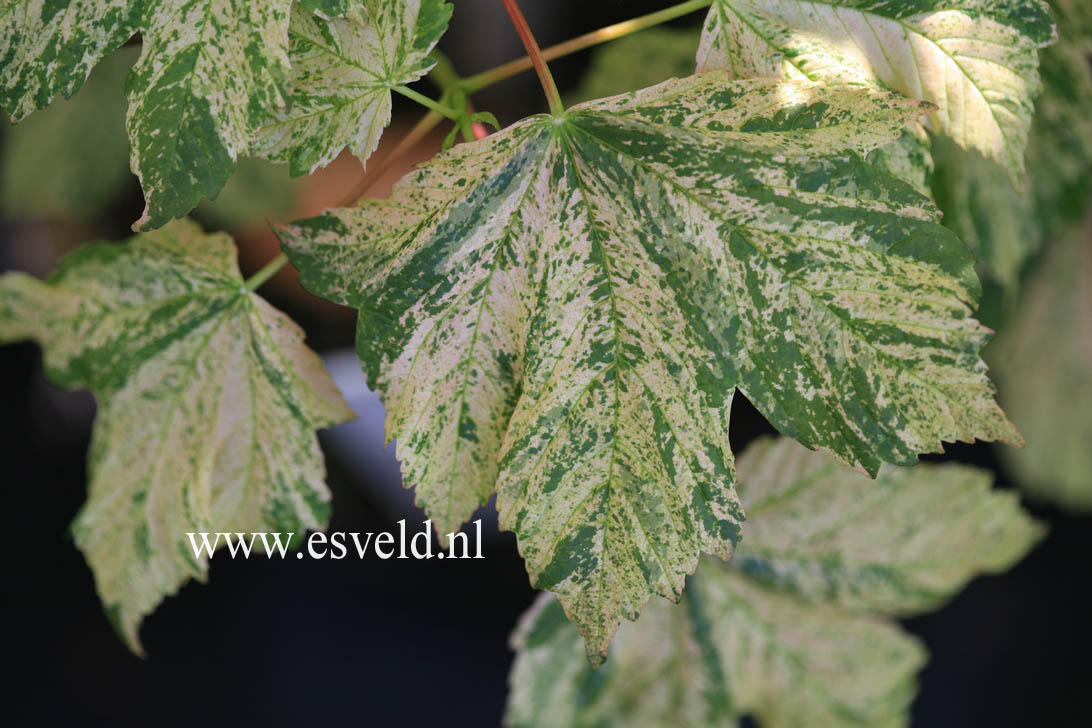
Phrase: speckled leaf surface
(210, 73)
(208, 405)
(975, 59)
(328, 8)
(762, 635)
(342, 73)
(900, 544)
(48, 47)
(561, 312)
(1007, 227)
(1044, 359)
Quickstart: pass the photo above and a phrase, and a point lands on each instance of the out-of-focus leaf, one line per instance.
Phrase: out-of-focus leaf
(901, 544)
(638, 61)
(910, 158)
(1060, 151)
(790, 631)
(1043, 362)
(983, 208)
(257, 191)
(71, 160)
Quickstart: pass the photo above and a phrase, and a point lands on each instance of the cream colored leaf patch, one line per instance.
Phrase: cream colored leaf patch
(977, 60)
(791, 631)
(561, 312)
(343, 70)
(208, 406)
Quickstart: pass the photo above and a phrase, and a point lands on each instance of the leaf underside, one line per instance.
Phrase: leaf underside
(790, 632)
(562, 311)
(208, 406)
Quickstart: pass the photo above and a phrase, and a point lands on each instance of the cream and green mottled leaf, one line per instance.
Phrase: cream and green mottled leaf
(342, 74)
(562, 311)
(327, 8)
(208, 405)
(70, 161)
(48, 47)
(210, 73)
(977, 60)
(1006, 227)
(1043, 359)
(900, 544)
(790, 631)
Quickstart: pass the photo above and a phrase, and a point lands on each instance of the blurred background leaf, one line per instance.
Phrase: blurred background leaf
(70, 162)
(257, 191)
(1042, 364)
(638, 61)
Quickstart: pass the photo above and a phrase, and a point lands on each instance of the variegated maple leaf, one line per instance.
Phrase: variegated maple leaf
(562, 311)
(209, 73)
(208, 406)
(212, 73)
(48, 48)
(977, 60)
(343, 70)
(792, 631)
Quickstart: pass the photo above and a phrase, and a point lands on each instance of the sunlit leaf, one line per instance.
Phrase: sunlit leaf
(1043, 358)
(975, 59)
(1006, 227)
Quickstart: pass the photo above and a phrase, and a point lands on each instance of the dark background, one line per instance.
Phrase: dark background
(415, 642)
